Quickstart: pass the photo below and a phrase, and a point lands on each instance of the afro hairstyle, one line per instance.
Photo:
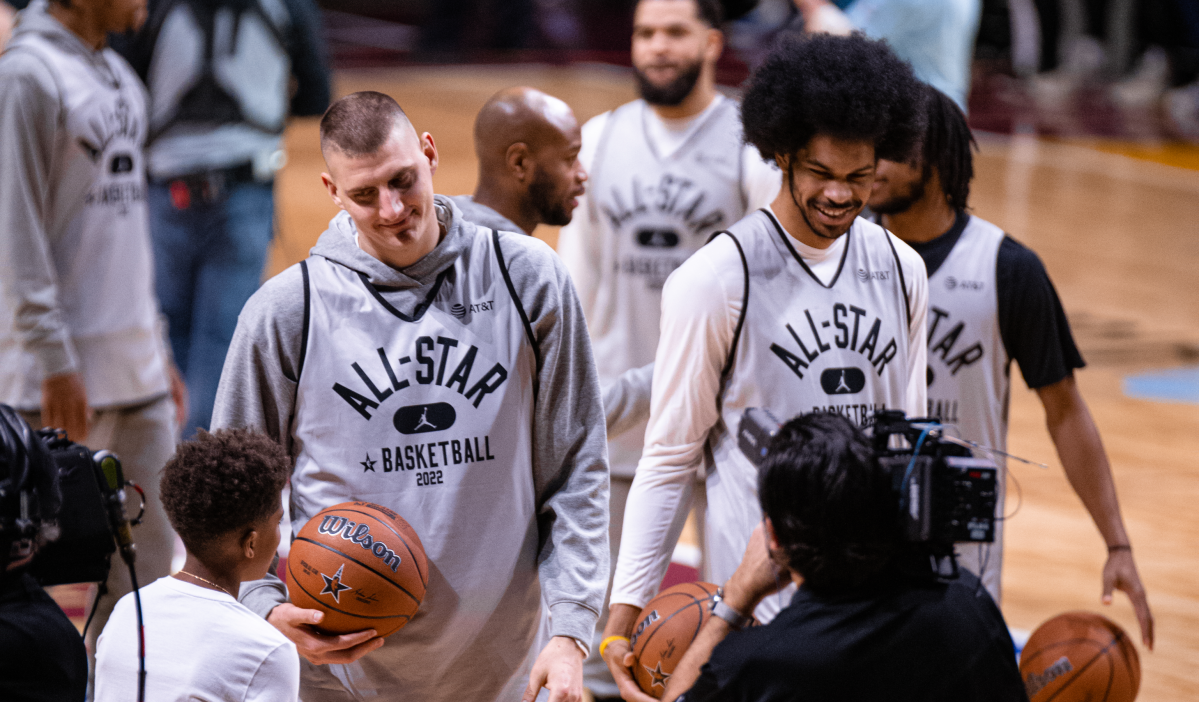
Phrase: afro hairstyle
(222, 482)
(847, 87)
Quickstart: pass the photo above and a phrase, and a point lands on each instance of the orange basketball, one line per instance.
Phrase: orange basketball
(1080, 657)
(362, 565)
(668, 625)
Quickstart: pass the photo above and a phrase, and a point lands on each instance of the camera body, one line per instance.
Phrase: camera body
(944, 495)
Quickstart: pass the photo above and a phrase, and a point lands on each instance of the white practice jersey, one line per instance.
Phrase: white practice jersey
(803, 347)
(431, 416)
(651, 212)
(96, 225)
(968, 366)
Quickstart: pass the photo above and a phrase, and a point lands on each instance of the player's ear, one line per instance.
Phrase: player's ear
(714, 46)
(327, 181)
(429, 149)
(520, 161)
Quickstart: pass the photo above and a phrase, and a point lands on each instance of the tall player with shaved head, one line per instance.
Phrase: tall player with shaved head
(667, 171)
(528, 145)
(402, 307)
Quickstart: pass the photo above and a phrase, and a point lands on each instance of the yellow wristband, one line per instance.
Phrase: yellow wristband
(610, 639)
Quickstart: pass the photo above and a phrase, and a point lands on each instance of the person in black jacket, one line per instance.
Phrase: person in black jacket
(223, 77)
(42, 656)
(870, 620)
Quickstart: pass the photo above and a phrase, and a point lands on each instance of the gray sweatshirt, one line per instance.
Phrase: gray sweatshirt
(76, 276)
(484, 216)
(569, 450)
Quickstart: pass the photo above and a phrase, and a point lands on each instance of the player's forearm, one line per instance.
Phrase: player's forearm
(654, 516)
(687, 671)
(1080, 449)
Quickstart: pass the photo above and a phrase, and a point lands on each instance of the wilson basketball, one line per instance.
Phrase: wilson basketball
(668, 625)
(362, 565)
(1080, 657)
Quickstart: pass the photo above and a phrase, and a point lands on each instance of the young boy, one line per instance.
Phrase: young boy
(221, 492)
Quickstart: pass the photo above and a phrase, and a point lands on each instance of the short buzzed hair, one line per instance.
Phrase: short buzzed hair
(710, 12)
(359, 123)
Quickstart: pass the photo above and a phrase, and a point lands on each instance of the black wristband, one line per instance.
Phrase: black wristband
(1120, 547)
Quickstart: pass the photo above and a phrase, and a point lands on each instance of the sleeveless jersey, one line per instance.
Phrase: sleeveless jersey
(97, 206)
(802, 347)
(653, 212)
(968, 366)
(430, 415)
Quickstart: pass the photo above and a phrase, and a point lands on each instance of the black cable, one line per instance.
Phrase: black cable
(100, 590)
(141, 635)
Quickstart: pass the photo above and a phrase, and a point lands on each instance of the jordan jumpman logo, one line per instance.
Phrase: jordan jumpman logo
(424, 421)
(841, 385)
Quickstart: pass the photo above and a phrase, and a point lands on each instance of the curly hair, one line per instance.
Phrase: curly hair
(846, 87)
(221, 482)
(830, 504)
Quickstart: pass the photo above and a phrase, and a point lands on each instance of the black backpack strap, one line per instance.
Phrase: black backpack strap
(520, 308)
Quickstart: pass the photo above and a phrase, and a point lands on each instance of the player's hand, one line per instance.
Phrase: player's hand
(178, 396)
(756, 577)
(1120, 573)
(297, 625)
(619, 658)
(64, 405)
(559, 669)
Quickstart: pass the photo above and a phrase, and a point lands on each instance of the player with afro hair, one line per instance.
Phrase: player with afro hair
(222, 493)
(800, 306)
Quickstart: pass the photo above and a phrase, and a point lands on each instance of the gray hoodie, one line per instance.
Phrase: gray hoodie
(570, 474)
(76, 275)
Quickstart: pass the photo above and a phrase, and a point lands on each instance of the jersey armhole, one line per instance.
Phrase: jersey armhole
(728, 363)
(307, 315)
(903, 283)
(520, 308)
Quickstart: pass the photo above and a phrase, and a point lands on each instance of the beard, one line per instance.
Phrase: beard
(673, 93)
(900, 201)
(551, 208)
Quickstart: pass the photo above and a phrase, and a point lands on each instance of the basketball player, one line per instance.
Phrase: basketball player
(81, 344)
(774, 312)
(404, 307)
(667, 171)
(527, 144)
(992, 302)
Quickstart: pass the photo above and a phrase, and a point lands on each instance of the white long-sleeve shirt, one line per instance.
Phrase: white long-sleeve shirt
(701, 306)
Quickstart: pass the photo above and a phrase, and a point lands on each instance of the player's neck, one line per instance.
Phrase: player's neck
(696, 101)
(927, 218)
(81, 23)
(195, 571)
(505, 203)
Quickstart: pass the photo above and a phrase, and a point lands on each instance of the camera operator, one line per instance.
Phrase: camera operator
(42, 656)
(870, 619)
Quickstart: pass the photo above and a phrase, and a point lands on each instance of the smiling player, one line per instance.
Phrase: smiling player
(441, 370)
(801, 307)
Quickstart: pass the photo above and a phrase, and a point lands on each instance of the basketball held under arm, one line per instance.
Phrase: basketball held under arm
(1080, 449)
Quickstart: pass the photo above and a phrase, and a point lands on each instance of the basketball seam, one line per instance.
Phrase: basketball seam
(694, 601)
(399, 587)
(424, 579)
(335, 609)
(1088, 664)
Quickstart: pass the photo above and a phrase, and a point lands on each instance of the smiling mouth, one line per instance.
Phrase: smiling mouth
(834, 213)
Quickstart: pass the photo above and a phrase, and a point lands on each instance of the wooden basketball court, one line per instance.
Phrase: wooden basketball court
(1119, 236)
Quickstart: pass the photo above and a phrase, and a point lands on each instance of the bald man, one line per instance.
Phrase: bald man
(528, 146)
(442, 370)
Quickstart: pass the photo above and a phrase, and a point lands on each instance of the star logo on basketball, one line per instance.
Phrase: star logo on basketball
(334, 586)
(657, 677)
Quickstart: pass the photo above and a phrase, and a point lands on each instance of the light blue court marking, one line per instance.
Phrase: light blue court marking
(1174, 385)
